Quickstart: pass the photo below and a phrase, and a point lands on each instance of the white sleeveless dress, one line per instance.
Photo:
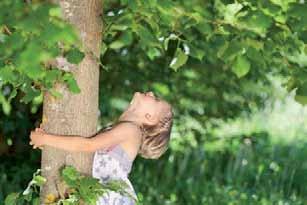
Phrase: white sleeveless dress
(113, 163)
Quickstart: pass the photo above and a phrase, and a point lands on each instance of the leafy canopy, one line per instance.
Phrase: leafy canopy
(224, 45)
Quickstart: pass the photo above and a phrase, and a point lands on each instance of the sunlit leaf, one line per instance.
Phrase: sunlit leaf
(241, 66)
(179, 59)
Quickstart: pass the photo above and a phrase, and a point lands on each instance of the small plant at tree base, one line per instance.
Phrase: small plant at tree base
(80, 188)
(87, 188)
(30, 195)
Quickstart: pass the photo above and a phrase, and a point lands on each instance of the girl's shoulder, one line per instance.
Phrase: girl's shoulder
(132, 143)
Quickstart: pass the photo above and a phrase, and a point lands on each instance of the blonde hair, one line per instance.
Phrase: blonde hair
(155, 139)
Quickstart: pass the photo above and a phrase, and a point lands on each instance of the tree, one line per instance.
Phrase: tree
(74, 113)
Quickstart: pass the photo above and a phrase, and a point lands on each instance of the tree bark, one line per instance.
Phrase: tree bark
(74, 114)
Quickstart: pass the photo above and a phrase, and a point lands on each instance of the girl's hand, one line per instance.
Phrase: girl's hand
(38, 138)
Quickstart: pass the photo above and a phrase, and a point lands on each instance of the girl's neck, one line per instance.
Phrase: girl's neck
(130, 118)
(134, 121)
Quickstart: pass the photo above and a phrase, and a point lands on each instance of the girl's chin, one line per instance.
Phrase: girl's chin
(136, 94)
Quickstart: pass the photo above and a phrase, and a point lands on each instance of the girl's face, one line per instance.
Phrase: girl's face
(148, 106)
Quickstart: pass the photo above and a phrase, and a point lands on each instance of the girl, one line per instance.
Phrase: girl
(143, 128)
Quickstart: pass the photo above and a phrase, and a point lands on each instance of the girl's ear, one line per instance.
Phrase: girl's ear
(151, 119)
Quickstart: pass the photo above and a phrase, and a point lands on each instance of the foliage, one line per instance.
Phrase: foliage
(87, 188)
(80, 188)
(245, 38)
(30, 36)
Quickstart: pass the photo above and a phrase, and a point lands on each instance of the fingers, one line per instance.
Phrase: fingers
(34, 145)
(40, 147)
(39, 130)
(34, 135)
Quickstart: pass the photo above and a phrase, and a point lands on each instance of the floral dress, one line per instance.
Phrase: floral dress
(113, 163)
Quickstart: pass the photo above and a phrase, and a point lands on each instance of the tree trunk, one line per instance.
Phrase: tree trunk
(74, 114)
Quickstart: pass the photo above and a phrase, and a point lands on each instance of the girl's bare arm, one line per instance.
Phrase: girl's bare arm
(103, 140)
(69, 143)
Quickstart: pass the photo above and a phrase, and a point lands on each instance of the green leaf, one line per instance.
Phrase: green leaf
(233, 49)
(70, 175)
(230, 12)
(256, 21)
(52, 75)
(283, 3)
(241, 66)
(12, 43)
(7, 74)
(30, 60)
(35, 71)
(104, 49)
(153, 52)
(55, 12)
(12, 95)
(36, 201)
(55, 93)
(88, 187)
(298, 57)
(204, 28)
(179, 59)
(11, 199)
(71, 82)
(116, 27)
(6, 106)
(30, 93)
(117, 44)
(196, 52)
(38, 100)
(124, 40)
(258, 45)
(39, 180)
(147, 39)
(161, 88)
(55, 32)
(74, 56)
(28, 192)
